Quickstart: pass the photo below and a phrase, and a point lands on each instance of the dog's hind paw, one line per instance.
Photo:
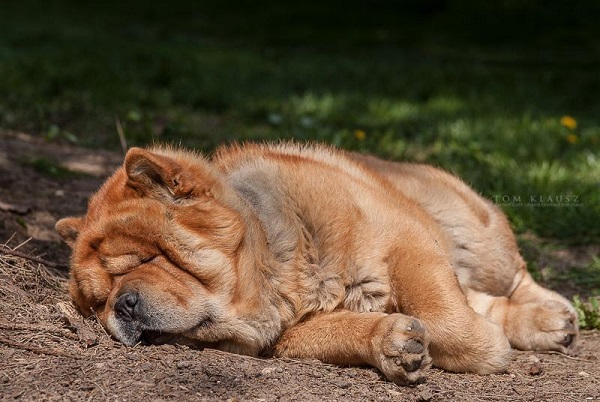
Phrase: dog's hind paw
(544, 326)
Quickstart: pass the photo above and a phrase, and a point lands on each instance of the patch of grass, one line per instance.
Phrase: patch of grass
(573, 270)
(21, 222)
(588, 312)
(584, 277)
(49, 167)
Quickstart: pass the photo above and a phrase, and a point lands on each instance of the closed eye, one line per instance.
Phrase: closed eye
(124, 263)
(146, 260)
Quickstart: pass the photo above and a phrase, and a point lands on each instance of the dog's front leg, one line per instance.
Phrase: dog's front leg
(394, 343)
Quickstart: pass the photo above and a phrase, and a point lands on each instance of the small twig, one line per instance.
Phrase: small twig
(7, 251)
(40, 350)
(551, 352)
(121, 134)
(589, 333)
(10, 239)
(8, 326)
(222, 353)
(22, 244)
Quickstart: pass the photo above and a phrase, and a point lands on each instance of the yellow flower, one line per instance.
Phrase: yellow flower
(360, 135)
(572, 139)
(568, 122)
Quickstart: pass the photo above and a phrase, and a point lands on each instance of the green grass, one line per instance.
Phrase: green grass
(588, 312)
(49, 167)
(477, 89)
(584, 277)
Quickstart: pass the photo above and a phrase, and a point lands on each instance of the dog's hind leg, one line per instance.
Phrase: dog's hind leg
(533, 318)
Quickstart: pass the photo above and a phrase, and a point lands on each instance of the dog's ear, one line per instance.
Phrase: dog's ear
(68, 229)
(154, 174)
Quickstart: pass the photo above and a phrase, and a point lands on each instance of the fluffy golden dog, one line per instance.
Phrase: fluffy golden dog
(307, 251)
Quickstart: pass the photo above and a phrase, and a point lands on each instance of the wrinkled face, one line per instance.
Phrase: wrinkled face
(155, 252)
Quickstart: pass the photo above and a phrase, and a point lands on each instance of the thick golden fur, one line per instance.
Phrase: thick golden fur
(307, 251)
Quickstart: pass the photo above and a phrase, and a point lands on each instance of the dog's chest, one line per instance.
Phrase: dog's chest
(360, 287)
(369, 290)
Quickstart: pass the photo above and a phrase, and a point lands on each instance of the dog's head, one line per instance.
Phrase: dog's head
(157, 248)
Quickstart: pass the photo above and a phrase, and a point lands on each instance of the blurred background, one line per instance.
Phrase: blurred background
(505, 93)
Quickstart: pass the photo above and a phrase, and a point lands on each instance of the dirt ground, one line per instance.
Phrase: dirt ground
(47, 352)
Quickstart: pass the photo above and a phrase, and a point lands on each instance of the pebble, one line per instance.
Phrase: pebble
(183, 364)
(342, 384)
(268, 371)
(536, 369)
(425, 395)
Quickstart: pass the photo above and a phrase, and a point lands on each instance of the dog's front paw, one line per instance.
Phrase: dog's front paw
(400, 349)
(548, 325)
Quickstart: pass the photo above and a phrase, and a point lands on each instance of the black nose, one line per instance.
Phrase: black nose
(126, 304)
